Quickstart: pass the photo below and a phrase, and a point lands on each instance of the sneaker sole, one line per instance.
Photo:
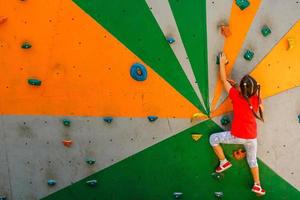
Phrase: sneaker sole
(224, 169)
(258, 193)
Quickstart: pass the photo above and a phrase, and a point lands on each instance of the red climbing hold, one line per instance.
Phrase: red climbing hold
(225, 31)
(67, 143)
(239, 154)
(3, 19)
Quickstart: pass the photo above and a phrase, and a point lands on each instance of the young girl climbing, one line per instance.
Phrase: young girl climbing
(246, 103)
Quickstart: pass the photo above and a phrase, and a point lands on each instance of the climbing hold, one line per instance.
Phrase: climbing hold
(219, 195)
(225, 30)
(291, 43)
(67, 143)
(218, 59)
(91, 183)
(198, 116)
(3, 198)
(3, 19)
(26, 45)
(299, 118)
(177, 195)
(170, 40)
(51, 182)
(66, 122)
(265, 31)
(34, 82)
(90, 161)
(152, 118)
(242, 4)
(138, 72)
(239, 154)
(225, 120)
(108, 119)
(196, 136)
(217, 176)
(248, 55)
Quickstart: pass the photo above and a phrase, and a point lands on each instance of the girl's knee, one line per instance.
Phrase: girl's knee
(214, 139)
(252, 162)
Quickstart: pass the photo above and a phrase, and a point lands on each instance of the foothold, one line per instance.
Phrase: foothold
(3, 19)
(239, 154)
(248, 55)
(152, 118)
(219, 195)
(196, 136)
(51, 182)
(225, 30)
(225, 120)
(3, 198)
(138, 72)
(91, 183)
(26, 45)
(198, 116)
(90, 161)
(34, 82)
(291, 43)
(217, 176)
(67, 143)
(177, 195)
(108, 119)
(170, 40)
(265, 31)
(242, 4)
(66, 122)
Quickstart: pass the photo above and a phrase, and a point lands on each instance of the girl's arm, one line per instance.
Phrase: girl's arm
(223, 61)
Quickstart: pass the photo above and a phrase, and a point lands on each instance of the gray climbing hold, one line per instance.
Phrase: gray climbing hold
(177, 195)
(91, 183)
(219, 195)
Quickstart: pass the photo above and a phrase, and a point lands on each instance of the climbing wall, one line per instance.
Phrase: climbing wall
(105, 99)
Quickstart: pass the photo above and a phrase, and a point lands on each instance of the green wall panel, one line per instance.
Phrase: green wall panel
(190, 16)
(178, 164)
(133, 24)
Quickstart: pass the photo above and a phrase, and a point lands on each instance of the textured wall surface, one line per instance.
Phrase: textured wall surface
(82, 51)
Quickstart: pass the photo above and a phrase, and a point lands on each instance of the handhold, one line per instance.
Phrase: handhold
(219, 195)
(218, 59)
(91, 183)
(242, 4)
(170, 40)
(196, 136)
(225, 120)
(34, 82)
(67, 143)
(265, 31)
(108, 119)
(248, 55)
(66, 122)
(239, 154)
(138, 72)
(26, 45)
(90, 161)
(217, 176)
(198, 116)
(152, 118)
(51, 182)
(3, 19)
(3, 198)
(225, 30)
(177, 195)
(299, 118)
(291, 43)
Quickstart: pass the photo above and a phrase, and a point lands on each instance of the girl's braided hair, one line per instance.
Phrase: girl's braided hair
(250, 87)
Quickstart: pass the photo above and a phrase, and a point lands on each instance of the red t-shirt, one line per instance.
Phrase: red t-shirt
(244, 122)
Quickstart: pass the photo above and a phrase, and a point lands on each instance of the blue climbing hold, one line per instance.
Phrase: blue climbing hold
(138, 72)
(152, 118)
(108, 119)
(170, 40)
(51, 182)
(91, 183)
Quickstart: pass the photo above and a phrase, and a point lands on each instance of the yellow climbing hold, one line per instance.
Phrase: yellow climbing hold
(198, 116)
(291, 43)
(196, 136)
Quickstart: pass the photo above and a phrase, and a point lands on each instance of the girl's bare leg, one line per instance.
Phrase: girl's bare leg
(219, 152)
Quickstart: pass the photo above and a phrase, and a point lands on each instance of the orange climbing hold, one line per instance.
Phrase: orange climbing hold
(196, 136)
(67, 143)
(291, 43)
(239, 154)
(3, 19)
(225, 30)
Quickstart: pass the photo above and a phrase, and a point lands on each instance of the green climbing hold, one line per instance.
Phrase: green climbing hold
(218, 59)
(34, 82)
(299, 118)
(248, 55)
(225, 120)
(91, 183)
(26, 45)
(3, 198)
(90, 161)
(242, 4)
(219, 195)
(265, 31)
(66, 122)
